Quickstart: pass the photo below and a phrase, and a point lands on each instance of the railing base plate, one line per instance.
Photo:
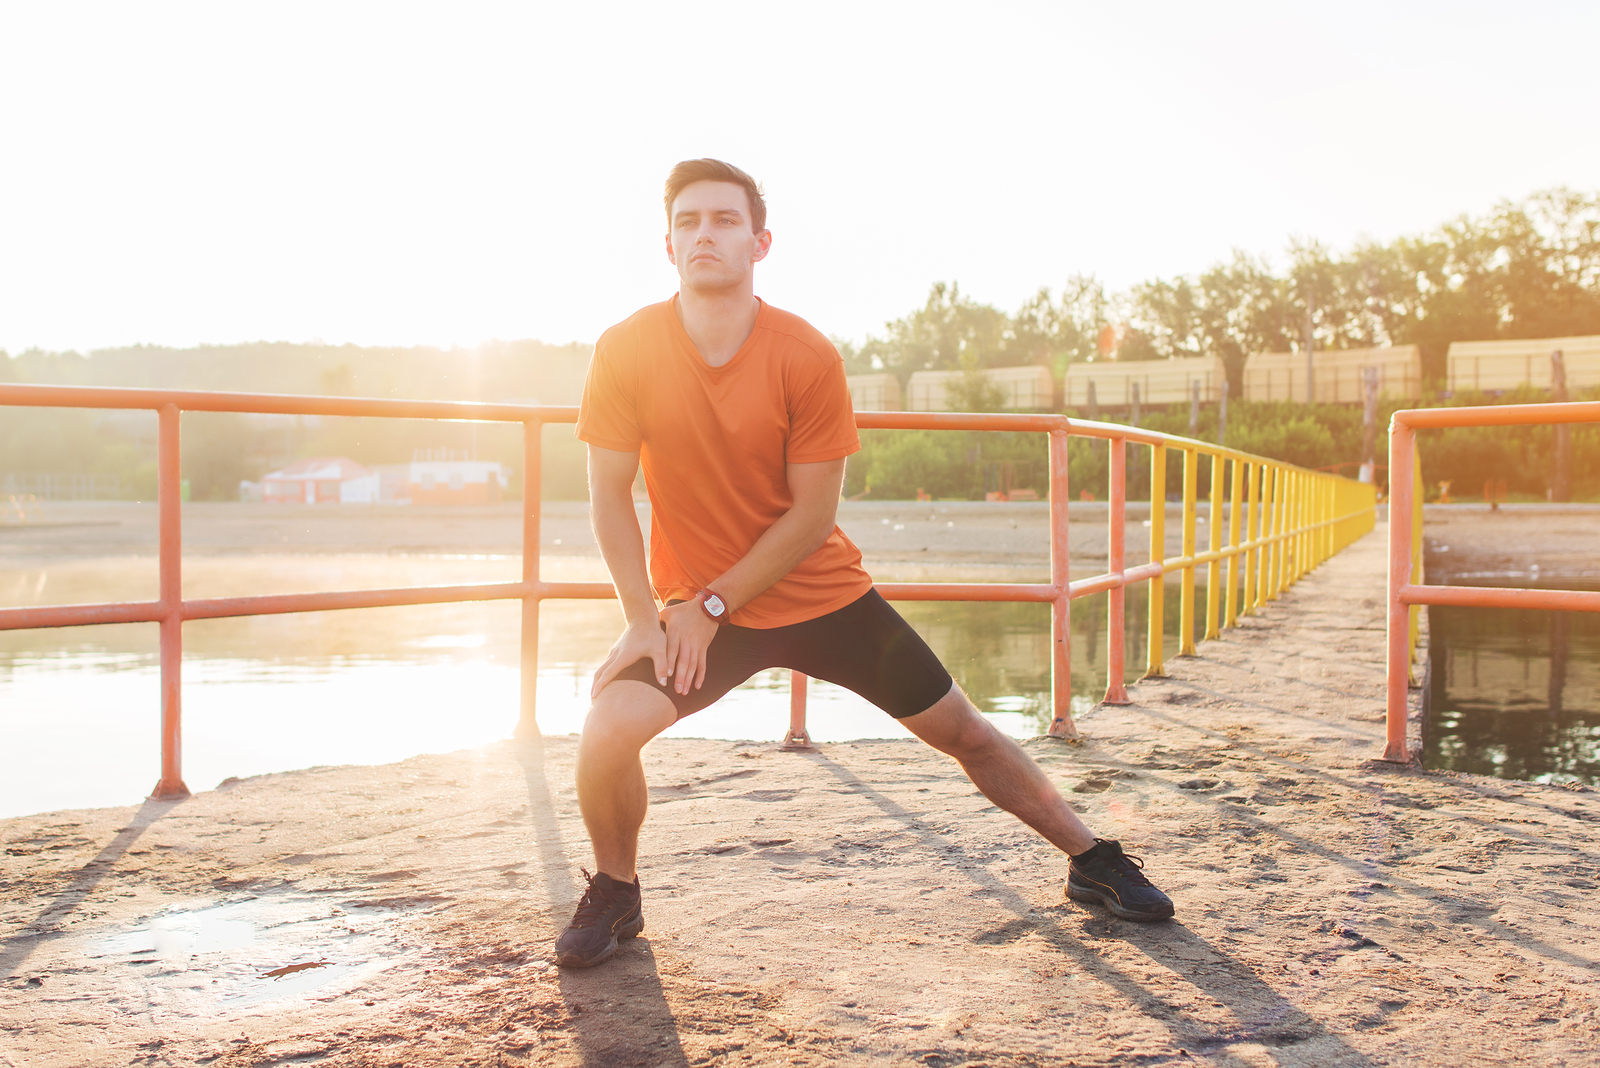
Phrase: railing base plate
(170, 791)
(1064, 729)
(801, 740)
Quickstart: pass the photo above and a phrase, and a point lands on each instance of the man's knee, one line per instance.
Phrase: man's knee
(625, 716)
(954, 726)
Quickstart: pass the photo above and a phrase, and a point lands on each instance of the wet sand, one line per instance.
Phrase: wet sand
(1519, 545)
(856, 904)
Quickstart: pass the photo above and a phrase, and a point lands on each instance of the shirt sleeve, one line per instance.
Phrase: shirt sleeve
(822, 422)
(608, 415)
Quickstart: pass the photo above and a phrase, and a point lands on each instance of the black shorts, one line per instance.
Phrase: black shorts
(865, 646)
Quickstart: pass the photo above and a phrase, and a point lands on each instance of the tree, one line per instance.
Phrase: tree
(937, 337)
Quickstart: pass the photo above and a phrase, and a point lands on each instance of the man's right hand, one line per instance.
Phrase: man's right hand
(640, 640)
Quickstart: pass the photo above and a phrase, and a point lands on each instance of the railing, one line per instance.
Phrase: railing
(1407, 592)
(1282, 521)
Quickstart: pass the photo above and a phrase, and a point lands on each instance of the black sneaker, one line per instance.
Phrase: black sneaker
(1110, 876)
(609, 911)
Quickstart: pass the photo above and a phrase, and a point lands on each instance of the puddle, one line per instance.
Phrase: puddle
(217, 958)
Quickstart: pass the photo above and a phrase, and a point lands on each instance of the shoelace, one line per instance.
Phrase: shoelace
(594, 904)
(1131, 868)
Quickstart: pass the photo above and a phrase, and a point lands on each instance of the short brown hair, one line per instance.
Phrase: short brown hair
(691, 171)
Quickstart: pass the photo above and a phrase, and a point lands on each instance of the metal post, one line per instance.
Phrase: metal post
(169, 510)
(1413, 617)
(1222, 413)
(1317, 492)
(1313, 520)
(1561, 477)
(1061, 725)
(1330, 512)
(797, 736)
(1214, 543)
(1271, 486)
(1116, 625)
(1236, 501)
(1298, 524)
(1281, 491)
(1252, 531)
(1287, 557)
(1191, 501)
(1264, 562)
(1313, 532)
(1401, 447)
(532, 438)
(1158, 551)
(1300, 527)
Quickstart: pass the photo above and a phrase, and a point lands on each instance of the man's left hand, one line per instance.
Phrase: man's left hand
(689, 634)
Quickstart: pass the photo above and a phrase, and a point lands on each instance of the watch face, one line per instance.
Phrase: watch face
(714, 604)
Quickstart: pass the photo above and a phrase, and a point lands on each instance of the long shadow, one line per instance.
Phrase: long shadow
(16, 949)
(1263, 1015)
(619, 1009)
(1513, 799)
(1371, 868)
(559, 885)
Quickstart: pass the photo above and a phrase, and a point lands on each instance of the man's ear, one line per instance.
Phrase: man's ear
(670, 257)
(763, 245)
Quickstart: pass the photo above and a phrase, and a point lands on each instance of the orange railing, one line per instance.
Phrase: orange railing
(1405, 546)
(1281, 522)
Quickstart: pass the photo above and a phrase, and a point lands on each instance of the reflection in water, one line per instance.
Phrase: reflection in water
(272, 693)
(1515, 694)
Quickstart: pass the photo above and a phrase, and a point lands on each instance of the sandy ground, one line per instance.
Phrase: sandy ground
(855, 904)
(1521, 544)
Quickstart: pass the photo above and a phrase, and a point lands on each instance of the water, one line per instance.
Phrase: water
(79, 707)
(1515, 694)
(198, 959)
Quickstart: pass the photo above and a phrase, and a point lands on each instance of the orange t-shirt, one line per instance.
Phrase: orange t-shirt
(714, 441)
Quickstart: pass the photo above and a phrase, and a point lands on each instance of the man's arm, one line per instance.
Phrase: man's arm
(797, 534)
(616, 528)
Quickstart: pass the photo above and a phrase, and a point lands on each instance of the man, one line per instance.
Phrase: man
(741, 418)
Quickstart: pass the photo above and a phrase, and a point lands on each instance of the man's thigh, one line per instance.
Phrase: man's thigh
(735, 654)
(866, 647)
(869, 648)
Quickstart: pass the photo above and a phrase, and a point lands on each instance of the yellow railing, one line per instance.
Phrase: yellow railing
(1281, 522)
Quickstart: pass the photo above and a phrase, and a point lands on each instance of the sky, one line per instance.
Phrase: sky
(448, 173)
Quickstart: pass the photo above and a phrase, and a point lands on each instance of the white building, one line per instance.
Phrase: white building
(323, 480)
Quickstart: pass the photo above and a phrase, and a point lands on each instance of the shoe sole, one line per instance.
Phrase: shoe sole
(628, 930)
(1084, 894)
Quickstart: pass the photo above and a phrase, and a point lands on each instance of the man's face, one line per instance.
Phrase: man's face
(710, 240)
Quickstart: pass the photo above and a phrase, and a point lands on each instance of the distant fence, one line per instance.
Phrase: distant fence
(69, 486)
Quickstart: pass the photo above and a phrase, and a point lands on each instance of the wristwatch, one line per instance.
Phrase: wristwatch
(714, 606)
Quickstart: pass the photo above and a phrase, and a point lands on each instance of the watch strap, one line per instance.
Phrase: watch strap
(719, 620)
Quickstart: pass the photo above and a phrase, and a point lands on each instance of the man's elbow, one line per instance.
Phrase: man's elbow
(821, 531)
